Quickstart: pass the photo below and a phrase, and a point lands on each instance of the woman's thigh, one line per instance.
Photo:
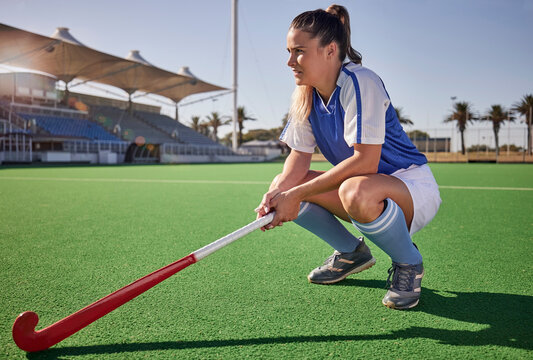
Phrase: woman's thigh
(362, 197)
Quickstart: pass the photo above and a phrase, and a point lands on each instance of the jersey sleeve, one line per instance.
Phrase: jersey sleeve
(299, 136)
(365, 102)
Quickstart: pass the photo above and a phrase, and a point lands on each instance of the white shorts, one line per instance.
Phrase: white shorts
(424, 192)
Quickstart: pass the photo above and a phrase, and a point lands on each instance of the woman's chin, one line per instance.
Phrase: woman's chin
(299, 81)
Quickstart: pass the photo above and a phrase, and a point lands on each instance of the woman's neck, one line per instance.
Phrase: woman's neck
(328, 85)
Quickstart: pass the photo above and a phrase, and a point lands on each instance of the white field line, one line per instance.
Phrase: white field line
(483, 188)
(229, 182)
(156, 181)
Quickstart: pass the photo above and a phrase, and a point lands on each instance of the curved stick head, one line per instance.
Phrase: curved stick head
(24, 332)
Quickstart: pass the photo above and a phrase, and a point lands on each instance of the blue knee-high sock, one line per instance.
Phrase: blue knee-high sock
(325, 225)
(389, 232)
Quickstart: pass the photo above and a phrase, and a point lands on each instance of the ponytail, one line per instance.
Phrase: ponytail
(342, 14)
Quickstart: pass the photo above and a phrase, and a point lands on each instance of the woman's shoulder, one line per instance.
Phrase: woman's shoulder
(359, 71)
(355, 76)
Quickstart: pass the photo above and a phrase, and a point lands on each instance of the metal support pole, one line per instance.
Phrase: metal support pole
(234, 22)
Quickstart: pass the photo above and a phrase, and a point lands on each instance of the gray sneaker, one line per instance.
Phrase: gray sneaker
(404, 289)
(339, 265)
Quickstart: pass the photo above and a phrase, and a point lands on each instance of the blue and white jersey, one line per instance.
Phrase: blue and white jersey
(358, 112)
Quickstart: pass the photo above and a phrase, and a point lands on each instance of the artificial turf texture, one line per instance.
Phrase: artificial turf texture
(71, 235)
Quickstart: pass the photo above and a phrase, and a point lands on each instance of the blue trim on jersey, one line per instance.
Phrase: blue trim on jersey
(358, 100)
(327, 123)
(285, 129)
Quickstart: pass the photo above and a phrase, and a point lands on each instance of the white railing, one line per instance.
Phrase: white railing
(48, 110)
(188, 149)
(96, 146)
(15, 147)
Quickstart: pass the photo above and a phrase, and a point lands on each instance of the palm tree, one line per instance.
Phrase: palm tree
(403, 118)
(497, 114)
(525, 108)
(215, 121)
(195, 123)
(242, 116)
(462, 113)
(204, 129)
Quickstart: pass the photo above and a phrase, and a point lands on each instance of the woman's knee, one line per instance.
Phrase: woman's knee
(356, 197)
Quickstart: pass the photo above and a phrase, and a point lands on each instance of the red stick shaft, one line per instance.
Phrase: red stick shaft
(30, 340)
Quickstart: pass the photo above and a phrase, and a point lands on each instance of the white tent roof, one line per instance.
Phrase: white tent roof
(65, 57)
(63, 34)
(134, 55)
(176, 88)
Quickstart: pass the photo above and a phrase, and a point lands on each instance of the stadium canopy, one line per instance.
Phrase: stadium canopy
(67, 58)
(175, 88)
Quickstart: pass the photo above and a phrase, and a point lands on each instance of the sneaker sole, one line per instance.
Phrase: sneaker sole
(358, 269)
(392, 305)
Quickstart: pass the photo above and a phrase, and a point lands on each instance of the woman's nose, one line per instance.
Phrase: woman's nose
(292, 60)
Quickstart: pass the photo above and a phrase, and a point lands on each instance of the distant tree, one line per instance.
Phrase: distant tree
(479, 148)
(497, 114)
(525, 108)
(204, 129)
(227, 140)
(215, 121)
(195, 123)
(284, 120)
(261, 134)
(417, 134)
(462, 113)
(242, 116)
(512, 147)
(402, 117)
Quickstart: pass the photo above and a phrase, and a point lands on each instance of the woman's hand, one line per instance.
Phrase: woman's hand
(265, 205)
(287, 206)
(295, 170)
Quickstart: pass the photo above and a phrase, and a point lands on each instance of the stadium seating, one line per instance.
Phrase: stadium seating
(131, 127)
(63, 126)
(182, 133)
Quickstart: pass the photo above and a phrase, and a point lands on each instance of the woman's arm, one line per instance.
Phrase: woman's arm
(365, 160)
(294, 171)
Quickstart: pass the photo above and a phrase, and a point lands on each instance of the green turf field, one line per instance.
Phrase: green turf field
(71, 235)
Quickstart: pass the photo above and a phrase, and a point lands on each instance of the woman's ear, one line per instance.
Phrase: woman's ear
(332, 49)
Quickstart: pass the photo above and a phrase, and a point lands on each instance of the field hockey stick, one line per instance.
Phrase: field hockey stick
(30, 340)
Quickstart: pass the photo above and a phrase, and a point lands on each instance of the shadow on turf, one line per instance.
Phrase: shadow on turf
(508, 318)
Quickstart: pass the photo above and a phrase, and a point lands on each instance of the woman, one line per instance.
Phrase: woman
(379, 182)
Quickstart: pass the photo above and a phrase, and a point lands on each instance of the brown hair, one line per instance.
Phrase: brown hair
(330, 25)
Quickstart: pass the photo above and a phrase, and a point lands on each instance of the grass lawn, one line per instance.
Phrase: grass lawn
(71, 235)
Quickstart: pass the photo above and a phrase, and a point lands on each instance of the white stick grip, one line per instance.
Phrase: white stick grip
(237, 234)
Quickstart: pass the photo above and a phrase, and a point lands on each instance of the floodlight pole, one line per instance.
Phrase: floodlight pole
(234, 22)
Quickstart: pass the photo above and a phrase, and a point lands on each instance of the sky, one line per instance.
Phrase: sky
(426, 51)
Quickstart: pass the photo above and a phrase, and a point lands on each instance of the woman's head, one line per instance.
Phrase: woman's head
(328, 30)
(330, 25)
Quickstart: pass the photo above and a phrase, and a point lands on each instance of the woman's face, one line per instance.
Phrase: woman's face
(306, 58)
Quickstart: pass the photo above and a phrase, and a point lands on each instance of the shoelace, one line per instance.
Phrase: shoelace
(331, 259)
(402, 277)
